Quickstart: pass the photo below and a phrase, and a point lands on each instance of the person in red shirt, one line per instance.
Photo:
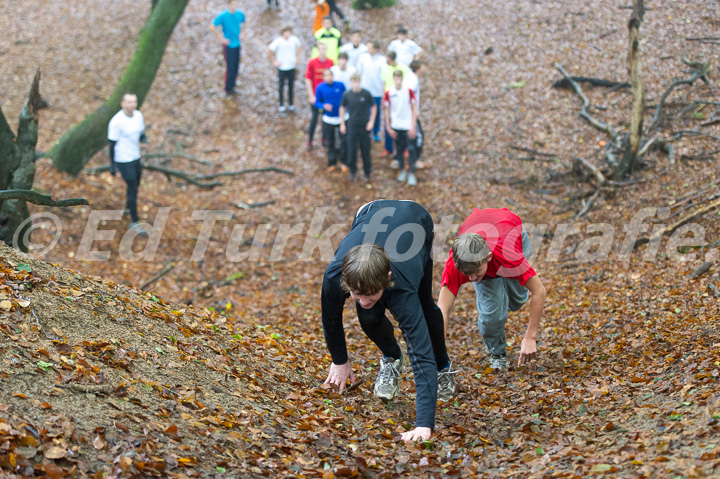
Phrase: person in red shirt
(491, 251)
(313, 77)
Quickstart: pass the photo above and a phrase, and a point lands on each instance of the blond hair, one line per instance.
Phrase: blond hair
(470, 252)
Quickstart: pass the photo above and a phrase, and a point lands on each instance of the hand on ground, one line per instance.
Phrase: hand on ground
(339, 375)
(419, 433)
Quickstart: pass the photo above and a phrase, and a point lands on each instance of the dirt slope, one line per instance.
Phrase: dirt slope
(627, 382)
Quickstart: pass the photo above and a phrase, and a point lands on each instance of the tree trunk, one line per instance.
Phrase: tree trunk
(17, 167)
(73, 150)
(630, 154)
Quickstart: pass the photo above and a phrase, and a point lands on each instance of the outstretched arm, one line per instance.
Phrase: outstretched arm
(528, 349)
(332, 301)
(405, 306)
(446, 301)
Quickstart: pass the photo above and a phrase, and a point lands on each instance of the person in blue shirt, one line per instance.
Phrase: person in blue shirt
(231, 35)
(328, 98)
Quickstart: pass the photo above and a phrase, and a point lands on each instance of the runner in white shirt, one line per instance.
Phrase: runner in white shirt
(370, 67)
(354, 49)
(406, 49)
(343, 71)
(284, 53)
(401, 120)
(126, 131)
(412, 82)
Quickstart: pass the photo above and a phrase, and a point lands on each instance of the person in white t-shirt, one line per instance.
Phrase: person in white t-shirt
(126, 132)
(342, 71)
(401, 120)
(370, 66)
(284, 53)
(406, 49)
(412, 82)
(354, 48)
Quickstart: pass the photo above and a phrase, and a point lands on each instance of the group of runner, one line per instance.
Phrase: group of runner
(385, 263)
(355, 91)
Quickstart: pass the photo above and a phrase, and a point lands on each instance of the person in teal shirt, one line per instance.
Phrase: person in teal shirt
(231, 35)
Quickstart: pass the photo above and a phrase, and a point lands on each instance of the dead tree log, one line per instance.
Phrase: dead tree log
(630, 152)
(17, 167)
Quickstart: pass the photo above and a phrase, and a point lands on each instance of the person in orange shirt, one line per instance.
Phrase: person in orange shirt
(322, 9)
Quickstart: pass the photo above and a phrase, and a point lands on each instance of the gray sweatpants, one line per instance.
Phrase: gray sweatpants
(494, 298)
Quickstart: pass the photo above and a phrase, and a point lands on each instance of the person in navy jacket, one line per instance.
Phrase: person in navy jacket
(328, 98)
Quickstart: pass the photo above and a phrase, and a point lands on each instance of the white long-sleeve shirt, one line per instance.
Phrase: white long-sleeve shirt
(370, 68)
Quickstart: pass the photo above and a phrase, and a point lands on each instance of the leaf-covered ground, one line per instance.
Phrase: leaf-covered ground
(98, 378)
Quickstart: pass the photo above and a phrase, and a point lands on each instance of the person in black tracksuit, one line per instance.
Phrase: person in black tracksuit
(401, 232)
(360, 106)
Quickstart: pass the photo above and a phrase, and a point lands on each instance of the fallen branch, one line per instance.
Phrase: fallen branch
(679, 134)
(157, 276)
(167, 171)
(244, 172)
(598, 124)
(687, 207)
(670, 150)
(646, 147)
(178, 154)
(658, 143)
(87, 389)
(700, 157)
(565, 83)
(533, 152)
(247, 206)
(39, 199)
(619, 184)
(592, 168)
(588, 204)
(700, 72)
(700, 270)
(657, 236)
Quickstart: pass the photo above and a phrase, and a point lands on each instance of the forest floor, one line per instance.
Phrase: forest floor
(217, 370)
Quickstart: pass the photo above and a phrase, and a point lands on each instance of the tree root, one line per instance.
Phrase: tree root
(195, 180)
(39, 199)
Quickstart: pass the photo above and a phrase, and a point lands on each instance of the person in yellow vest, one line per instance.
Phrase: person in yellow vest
(387, 72)
(330, 37)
